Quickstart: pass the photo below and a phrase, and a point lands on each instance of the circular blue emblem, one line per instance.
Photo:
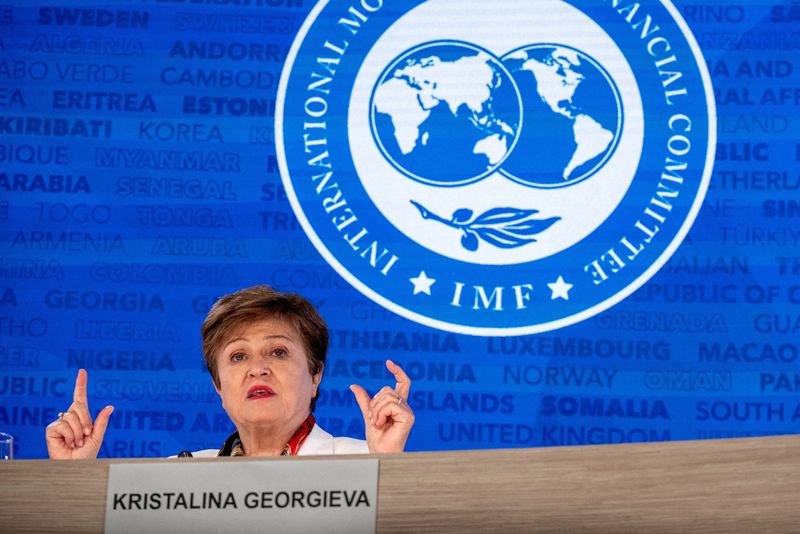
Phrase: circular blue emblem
(505, 171)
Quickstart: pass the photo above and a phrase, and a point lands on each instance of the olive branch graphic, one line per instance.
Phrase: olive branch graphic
(501, 227)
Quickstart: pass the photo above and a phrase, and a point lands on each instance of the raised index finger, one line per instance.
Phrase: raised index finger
(79, 395)
(403, 386)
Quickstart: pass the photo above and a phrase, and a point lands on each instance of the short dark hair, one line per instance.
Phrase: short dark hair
(260, 302)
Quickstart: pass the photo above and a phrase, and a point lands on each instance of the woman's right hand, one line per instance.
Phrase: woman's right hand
(73, 436)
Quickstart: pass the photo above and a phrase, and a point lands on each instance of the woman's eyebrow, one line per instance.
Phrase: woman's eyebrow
(281, 336)
(267, 336)
(234, 340)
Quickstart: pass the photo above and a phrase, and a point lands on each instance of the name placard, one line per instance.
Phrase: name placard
(274, 496)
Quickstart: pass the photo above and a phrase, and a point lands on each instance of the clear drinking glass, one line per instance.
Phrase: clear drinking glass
(6, 446)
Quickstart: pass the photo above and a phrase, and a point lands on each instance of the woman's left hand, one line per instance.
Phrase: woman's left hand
(387, 416)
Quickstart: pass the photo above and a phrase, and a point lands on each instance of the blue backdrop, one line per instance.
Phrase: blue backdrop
(139, 181)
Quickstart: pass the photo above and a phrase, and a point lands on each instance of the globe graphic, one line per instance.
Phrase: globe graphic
(445, 113)
(573, 116)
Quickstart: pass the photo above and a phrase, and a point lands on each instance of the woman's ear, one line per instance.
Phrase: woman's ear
(215, 381)
(316, 378)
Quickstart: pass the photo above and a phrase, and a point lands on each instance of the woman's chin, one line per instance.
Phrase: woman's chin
(260, 417)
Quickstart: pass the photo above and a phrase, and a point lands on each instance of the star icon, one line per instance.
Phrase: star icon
(559, 289)
(422, 284)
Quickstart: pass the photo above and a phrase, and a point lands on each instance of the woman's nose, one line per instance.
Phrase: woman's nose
(260, 367)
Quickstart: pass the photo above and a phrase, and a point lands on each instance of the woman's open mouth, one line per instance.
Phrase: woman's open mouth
(260, 392)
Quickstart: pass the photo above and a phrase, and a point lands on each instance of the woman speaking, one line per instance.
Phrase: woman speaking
(266, 354)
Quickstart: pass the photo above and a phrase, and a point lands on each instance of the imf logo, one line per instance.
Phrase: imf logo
(495, 169)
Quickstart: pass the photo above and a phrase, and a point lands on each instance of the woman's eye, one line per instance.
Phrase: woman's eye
(280, 353)
(238, 356)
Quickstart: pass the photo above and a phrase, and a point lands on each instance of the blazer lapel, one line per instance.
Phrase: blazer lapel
(317, 442)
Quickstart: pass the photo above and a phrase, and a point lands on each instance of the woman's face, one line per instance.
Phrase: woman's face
(264, 376)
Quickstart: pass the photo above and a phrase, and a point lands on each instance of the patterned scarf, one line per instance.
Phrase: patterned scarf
(233, 445)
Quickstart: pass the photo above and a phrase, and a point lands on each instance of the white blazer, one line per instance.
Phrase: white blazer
(318, 442)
